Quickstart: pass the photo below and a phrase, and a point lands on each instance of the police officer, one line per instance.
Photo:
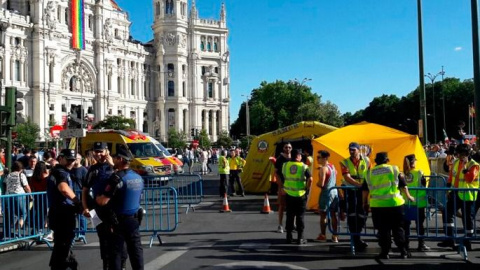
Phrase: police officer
(354, 170)
(296, 181)
(382, 186)
(94, 184)
(122, 196)
(464, 175)
(64, 206)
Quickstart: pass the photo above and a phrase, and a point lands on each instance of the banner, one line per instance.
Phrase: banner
(78, 24)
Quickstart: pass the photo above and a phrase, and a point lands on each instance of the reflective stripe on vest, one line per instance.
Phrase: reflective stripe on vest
(382, 181)
(360, 174)
(294, 173)
(465, 195)
(414, 180)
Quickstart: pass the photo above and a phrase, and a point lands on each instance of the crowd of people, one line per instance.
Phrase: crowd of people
(110, 190)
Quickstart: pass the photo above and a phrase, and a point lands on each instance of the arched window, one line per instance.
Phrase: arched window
(169, 7)
(73, 84)
(202, 46)
(171, 88)
(215, 47)
(157, 9)
(209, 46)
(171, 117)
(17, 70)
(210, 89)
(145, 126)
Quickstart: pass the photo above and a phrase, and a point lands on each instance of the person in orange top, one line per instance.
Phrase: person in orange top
(464, 175)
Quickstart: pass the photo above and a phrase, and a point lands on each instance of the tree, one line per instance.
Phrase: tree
(27, 133)
(279, 104)
(224, 139)
(176, 139)
(116, 122)
(204, 140)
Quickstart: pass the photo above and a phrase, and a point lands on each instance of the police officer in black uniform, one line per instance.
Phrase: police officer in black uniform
(95, 182)
(64, 206)
(122, 197)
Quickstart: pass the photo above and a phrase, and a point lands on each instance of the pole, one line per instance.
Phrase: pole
(476, 63)
(423, 105)
(443, 102)
(434, 114)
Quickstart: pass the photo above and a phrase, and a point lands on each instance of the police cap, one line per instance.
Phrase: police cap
(69, 154)
(99, 146)
(122, 152)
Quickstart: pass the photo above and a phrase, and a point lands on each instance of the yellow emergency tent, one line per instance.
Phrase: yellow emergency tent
(258, 170)
(372, 138)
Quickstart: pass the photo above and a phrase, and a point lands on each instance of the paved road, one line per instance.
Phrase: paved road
(244, 239)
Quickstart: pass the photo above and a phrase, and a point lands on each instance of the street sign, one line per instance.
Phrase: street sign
(55, 131)
(73, 133)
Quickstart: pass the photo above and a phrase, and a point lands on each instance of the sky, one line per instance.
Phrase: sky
(352, 50)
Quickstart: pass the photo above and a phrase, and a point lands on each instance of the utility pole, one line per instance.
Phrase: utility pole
(422, 126)
(476, 64)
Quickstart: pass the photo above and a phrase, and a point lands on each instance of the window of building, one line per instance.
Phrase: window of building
(210, 89)
(202, 46)
(90, 22)
(132, 87)
(203, 70)
(215, 46)
(119, 112)
(17, 41)
(171, 68)
(184, 70)
(17, 71)
(171, 88)
(184, 89)
(216, 70)
(171, 117)
(109, 82)
(119, 61)
(209, 46)
(119, 84)
(51, 72)
(157, 9)
(66, 17)
(72, 84)
(168, 6)
(116, 33)
(145, 88)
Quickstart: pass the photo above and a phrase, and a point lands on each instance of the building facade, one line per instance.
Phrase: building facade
(178, 80)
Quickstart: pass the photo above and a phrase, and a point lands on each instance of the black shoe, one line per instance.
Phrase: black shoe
(232, 195)
(405, 254)
(301, 241)
(384, 256)
(243, 195)
(468, 245)
(423, 247)
(361, 246)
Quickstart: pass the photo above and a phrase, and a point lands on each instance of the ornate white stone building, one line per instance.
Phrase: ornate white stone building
(178, 80)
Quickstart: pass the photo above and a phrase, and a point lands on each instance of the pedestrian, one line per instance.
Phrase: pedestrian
(78, 173)
(64, 206)
(382, 188)
(38, 183)
(122, 195)
(296, 181)
(224, 171)
(16, 212)
(284, 157)
(203, 157)
(236, 165)
(94, 183)
(464, 175)
(415, 210)
(2, 174)
(354, 170)
(328, 198)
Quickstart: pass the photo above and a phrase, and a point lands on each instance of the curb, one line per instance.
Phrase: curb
(12, 246)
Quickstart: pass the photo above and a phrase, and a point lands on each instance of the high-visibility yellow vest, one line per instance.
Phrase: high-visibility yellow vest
(474, 185)
(236, 163)
(223, 165)
(382, 182)
(360, 174)
(414, 180)
(294, 173)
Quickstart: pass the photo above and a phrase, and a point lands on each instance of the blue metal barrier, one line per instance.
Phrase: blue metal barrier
(189, 189)
(435, 226)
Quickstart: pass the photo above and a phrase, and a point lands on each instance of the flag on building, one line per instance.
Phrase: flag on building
(78, 24)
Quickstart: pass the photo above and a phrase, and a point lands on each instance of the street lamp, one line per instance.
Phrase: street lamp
(443, 102)
(432, 79)
(247, 116)
(300, 85)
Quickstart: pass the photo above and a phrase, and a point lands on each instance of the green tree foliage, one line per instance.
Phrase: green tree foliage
(224, 139)
(27, 133)
(403, 113)
(116, 122)
(204, 140)
(279, 104)
(176, 139)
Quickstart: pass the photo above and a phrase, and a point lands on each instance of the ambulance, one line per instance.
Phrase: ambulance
(148, 160)
(177, 163)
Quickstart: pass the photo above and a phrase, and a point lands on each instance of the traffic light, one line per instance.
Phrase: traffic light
(192, 132)
(14, 106)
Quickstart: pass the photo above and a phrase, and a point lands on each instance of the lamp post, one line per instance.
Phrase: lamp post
(300, 85)
(432, 79)
(247, 116)
(443, 102)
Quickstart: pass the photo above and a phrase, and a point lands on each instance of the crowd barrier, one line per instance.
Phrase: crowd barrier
(189, 189)
(25, 216)
(436, 212)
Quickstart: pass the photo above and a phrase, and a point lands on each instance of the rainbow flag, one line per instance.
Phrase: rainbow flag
(78, 24)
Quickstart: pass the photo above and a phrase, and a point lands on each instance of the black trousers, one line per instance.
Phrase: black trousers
(126, 232)
(295, 213)
(388, 221)
(62, 222)
(223, 184)
(355, 214)
(453, 204)
(418, 223)
(235, 177)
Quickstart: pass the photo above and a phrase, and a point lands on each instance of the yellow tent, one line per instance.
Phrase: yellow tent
(372, 138)
(258, 170)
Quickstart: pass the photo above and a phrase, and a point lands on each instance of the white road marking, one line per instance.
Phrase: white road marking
(164, 259)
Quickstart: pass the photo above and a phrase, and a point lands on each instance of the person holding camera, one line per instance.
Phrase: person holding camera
(464, 175)
(64, 207)
(121, 196)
